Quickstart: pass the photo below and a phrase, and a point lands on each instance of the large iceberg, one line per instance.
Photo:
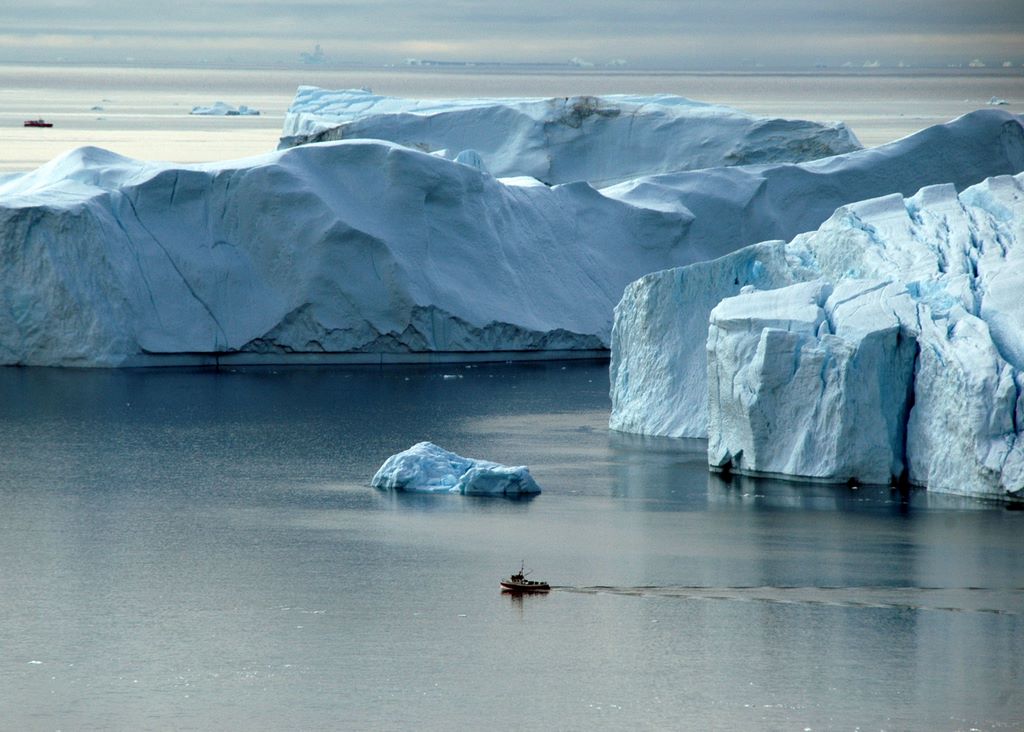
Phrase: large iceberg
(602, 140)
(427, 468)
(370, 251)
(354, 247)
(655, 370)
(888, 345)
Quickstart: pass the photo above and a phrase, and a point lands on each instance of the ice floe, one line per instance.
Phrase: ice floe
(427, 468)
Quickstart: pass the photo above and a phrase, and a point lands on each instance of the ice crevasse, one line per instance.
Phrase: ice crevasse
(887, 345)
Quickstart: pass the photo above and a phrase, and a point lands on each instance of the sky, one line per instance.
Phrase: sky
(649, 34)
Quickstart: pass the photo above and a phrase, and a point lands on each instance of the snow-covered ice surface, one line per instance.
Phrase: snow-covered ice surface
(735, 206)
(223, 109)
(602, 140)
(371, 249)
(427, 468)
(889, 345)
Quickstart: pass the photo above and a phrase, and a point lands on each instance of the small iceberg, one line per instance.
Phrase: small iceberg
(223, 109)
(427, 468)
(997, 101)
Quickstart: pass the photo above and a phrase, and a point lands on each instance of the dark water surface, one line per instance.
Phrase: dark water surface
(201, 550)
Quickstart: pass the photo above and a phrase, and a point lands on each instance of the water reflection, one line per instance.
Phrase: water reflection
(743, 491)
(655, 469)
(750, 492)
(675, 470)
(454, 503)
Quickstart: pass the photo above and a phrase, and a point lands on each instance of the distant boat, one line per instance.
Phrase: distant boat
(37, 123)
(519, 584)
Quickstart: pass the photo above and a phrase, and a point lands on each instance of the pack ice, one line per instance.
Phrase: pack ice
(601, 140)
(365, 249)
(886, 345)
(427, 468)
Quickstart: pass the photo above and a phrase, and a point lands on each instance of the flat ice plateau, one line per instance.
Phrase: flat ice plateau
(363, 248)
(601, 140)
(886, 345)
(427, 468)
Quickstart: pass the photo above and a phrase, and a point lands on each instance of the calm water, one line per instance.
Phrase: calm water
(143, 113)
(201, 550)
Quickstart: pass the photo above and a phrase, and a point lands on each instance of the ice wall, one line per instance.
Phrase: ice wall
(811, 381)
(658, 382)
(349, 247)
(886, 345)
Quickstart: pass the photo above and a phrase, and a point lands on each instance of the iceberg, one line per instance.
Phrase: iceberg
(223, 109)
(360, 248)
(367, 251)
(602, 140)
(886, 346)
(658, 379)
(427, 468)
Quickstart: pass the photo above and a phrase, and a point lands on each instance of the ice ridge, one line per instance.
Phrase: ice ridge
(602, 140)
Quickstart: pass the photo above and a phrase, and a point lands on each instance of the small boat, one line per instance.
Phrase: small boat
(519, 584)
(37, 123)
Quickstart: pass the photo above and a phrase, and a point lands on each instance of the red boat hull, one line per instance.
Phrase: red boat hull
(37, 123)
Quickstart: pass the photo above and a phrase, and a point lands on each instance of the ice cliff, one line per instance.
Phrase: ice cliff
(602, 140)
(886, 345)
(654, 373)
(370, 249)
(789, 395)
(346, 247)
(427, 468)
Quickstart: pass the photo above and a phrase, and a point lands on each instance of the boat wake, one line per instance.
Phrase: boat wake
(998, 601)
